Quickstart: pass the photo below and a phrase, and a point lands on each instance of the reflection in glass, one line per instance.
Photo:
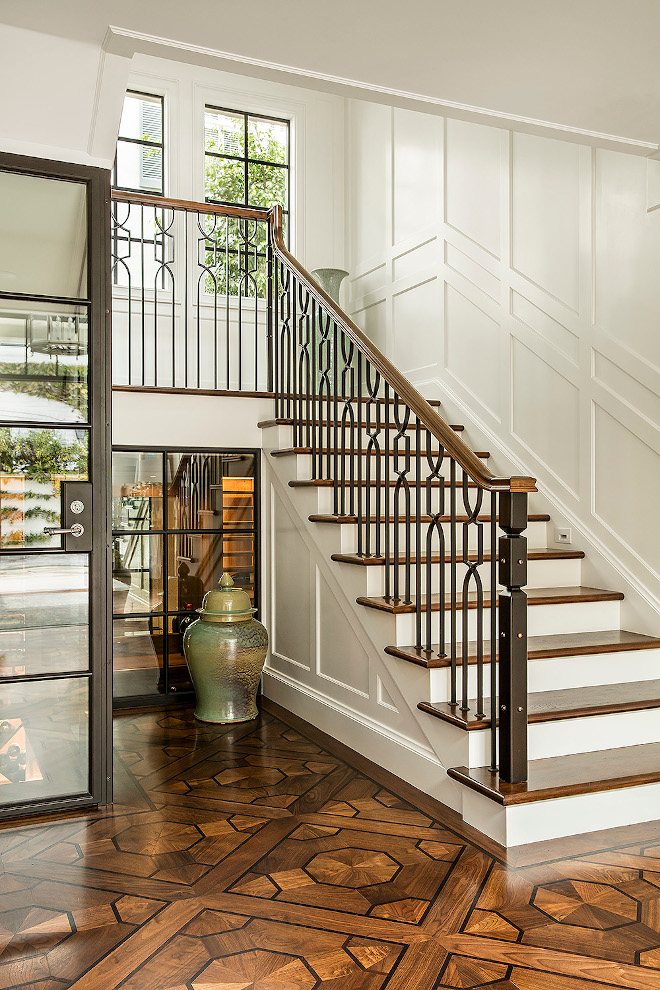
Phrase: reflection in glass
(44, 739)
(44, 614)
(137, 656)
(179, 675)
(268, 140)
(137, 490)
(43, 236)
(210, 491)
(137, 574)
(197, 561)
(43, 364)
(33, 463)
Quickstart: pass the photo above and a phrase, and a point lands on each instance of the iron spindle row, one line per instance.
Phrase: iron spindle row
(416, 510)
(190, 321)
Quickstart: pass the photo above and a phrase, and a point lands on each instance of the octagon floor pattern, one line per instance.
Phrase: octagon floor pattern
(266, 856)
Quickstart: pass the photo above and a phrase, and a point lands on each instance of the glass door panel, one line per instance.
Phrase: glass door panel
(53, 270)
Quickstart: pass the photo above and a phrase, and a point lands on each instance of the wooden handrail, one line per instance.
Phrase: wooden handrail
(406, 391)
(240, 212)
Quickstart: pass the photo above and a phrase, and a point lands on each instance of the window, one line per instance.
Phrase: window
(180, 520)
(246, 159)
(140, 152)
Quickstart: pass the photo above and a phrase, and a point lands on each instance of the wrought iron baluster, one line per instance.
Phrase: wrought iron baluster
(472, 560)
(418, 534)
(401, 488)
(493, 630)
(347, 424)
(434, 479)
(373, 451)
(302, 398)
(358, 454)
(452, 581)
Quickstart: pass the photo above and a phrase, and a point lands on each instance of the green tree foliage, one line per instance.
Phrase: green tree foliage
(61, 383)
(235, 250)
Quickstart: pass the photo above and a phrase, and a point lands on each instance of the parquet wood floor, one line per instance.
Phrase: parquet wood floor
(266, 856)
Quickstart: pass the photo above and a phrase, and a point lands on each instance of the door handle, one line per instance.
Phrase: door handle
(76, 530)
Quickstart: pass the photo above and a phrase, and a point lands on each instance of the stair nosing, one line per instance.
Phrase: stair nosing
(571, 596)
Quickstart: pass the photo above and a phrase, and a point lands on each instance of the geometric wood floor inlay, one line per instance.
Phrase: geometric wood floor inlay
(266, 856)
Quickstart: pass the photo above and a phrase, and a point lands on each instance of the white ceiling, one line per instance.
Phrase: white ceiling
(586, 66)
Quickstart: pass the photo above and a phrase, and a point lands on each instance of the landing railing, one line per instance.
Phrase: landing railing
(190, 294)
(448, 533)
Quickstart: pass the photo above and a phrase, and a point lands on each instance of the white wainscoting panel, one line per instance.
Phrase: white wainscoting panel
(545, 413)
(292, 605)
(340, 657)
(548, 344)
(545, 215)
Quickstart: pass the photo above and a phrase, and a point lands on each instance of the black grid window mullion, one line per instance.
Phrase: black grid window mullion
(245, 154)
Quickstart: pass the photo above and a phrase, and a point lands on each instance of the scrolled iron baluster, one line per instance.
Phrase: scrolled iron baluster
(301, 425)
(347, 424)
(493, 630)
(285, 284)
(435, 479)
(164, 264)
(122, 260)
(373, 450)
(401, 488)
(472, 562)
(324, 370)
(207, 263)
(453, 624)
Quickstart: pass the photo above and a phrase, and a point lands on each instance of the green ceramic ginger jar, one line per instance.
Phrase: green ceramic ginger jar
(225, 650)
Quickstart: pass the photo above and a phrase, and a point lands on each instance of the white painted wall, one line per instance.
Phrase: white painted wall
(516, 278)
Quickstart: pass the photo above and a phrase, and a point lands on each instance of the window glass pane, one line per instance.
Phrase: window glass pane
(44, 739)
(139, 166)
(224, 132)
(137, 574)
(137, 656)
(203, 491)
(44, 613)
(142, 118)
(137, 490)
(179, 675)
(224, 180)
(33, 463)
(43, 363)
(267, 140)
(43, 236)
(267, 185)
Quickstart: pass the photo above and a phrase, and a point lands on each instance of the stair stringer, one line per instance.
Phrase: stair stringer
(405, 741)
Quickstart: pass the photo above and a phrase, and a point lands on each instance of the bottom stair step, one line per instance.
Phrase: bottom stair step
(551, 706)
(562, 776)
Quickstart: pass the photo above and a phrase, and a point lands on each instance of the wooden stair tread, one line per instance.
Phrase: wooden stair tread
(267, 423)
(287, 451)
(535, 596)
(373, 561)
(540, 647)
(563, 776)
(554, 706)
(322, 517)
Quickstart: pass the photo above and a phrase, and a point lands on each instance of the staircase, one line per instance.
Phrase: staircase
(593, 707)
(538, 715)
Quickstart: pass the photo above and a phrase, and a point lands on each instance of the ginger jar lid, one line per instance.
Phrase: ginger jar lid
(226, 603)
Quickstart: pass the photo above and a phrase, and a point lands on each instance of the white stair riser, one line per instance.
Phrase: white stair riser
(542, 620)
(568, 672)
(576, 735)
(540, 574)
(536, 534)
(542, 820)
(326, 503)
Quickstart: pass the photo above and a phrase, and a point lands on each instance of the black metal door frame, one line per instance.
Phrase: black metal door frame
(97, 182)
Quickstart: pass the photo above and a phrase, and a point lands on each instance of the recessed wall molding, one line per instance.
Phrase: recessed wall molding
(550, 301)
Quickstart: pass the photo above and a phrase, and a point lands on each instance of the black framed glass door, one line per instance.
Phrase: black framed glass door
(54, 442)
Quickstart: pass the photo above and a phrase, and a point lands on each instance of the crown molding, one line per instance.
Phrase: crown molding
(121, 41)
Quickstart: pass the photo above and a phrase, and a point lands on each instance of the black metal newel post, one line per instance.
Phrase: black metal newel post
(512, 555)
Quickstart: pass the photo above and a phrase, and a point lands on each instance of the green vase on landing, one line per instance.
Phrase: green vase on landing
(225, 650)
